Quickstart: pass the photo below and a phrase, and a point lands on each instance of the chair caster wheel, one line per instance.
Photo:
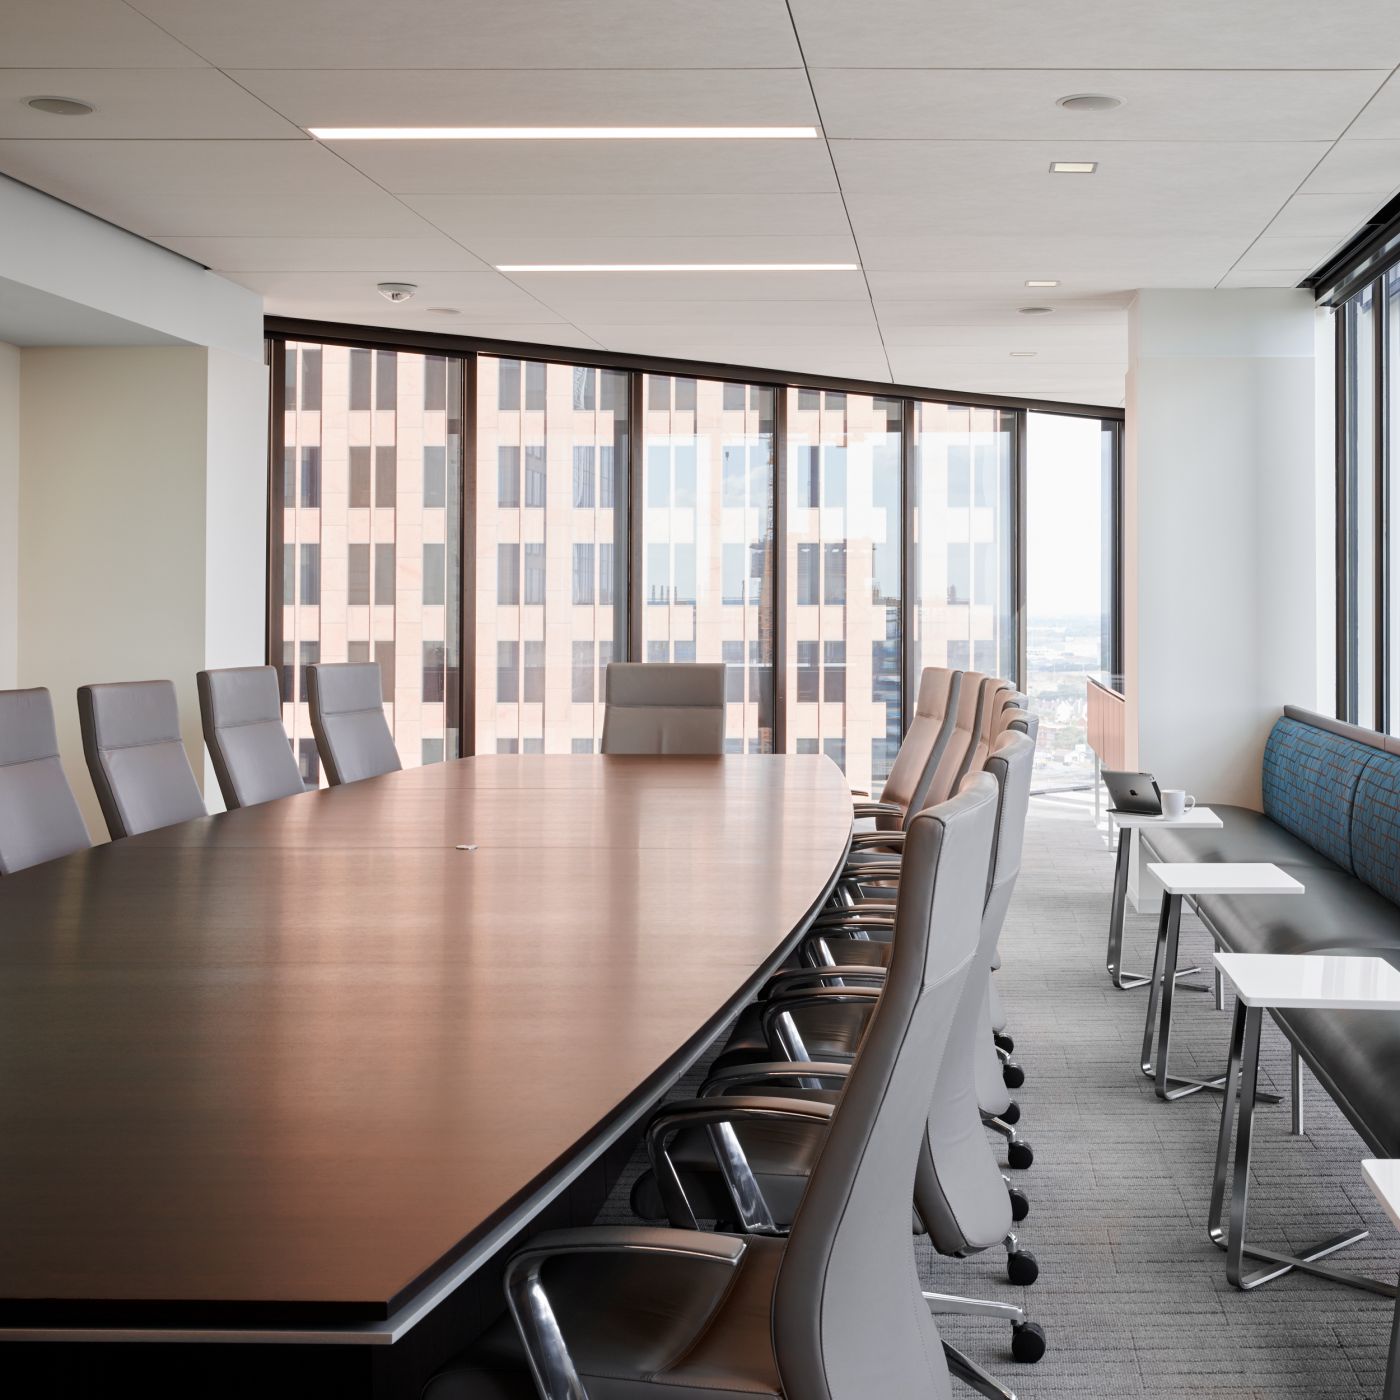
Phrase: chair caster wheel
(1021, 1268)
(1020, 1204)
(1003, 1042)
(1012, 1114)
(1013, 1076)
(1027, 1341)
(1019, 1155)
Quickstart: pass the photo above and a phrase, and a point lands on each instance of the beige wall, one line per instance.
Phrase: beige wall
(9, 515)
(113, 448)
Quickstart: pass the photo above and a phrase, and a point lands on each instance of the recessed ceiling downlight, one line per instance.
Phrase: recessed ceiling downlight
(60, 106)
(1089, 102)
(1035, 310)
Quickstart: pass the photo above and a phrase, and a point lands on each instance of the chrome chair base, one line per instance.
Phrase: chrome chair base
(1241, 1082)
(963, 1368)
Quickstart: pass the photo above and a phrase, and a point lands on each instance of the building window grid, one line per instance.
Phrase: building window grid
(522, 479)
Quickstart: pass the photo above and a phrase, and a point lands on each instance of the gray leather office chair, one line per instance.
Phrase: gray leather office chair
(664, 708)
(241, 710)
(347, 717)
(131, 740)
(39, 817)
(920, 751)
(832, 1310)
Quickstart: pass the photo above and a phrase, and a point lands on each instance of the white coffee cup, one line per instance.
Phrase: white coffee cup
(1176, 803)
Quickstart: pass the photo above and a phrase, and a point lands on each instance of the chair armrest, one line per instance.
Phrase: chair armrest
(801, 1074)
(864, 839)
(879, 809)
(781, 1032)
(718, 1116)
(545, 1348)
(793, 979)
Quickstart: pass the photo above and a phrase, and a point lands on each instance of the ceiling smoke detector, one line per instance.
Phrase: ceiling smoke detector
(1089, 102)
(60, 106)
(397, 291)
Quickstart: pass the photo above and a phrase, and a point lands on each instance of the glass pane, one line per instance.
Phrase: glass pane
(708, 531)
(1392, 391)
(1068, 606)
(1360, 468)
(552, 449)
(375, 538)
(963, 540)
(844, 464)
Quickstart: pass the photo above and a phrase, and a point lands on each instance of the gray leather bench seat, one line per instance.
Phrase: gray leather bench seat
(1332, 785)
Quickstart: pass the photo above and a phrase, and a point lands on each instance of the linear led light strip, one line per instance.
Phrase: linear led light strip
(564, 133)
(677, 267)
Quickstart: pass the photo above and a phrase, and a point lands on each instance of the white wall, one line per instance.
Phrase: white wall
(1228, 571)
(9, 516)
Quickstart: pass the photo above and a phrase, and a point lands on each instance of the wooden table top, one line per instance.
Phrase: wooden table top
(290, 1063)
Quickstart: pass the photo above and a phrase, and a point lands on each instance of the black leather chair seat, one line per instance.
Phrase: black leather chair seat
(643, 1325)
(1245, 836)
(1354, 1055)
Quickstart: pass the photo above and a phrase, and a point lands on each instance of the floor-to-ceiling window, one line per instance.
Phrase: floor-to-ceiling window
(1069, 588)
(370, 536)
(823, 544)
(707, 539)
(551, 483)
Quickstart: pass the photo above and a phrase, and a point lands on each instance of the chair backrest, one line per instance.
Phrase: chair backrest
(985, 727)
(848, 1317)
(944, 775)
(131, 740)
(928, 732)
(958, 1189)
(39, 817)
(1023, 722)
(347, 717)
(241, 710)
(664, 707)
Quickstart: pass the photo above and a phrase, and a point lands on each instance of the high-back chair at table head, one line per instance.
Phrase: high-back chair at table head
(39, 817)
(241, 710)
(664, 708)
(347, 717)
(131, 739)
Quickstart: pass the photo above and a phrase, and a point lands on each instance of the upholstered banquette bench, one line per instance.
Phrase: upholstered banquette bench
(1331, 818)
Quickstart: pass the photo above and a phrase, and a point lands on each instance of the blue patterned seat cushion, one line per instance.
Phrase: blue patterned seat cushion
(1375, 826)
(1310, 778)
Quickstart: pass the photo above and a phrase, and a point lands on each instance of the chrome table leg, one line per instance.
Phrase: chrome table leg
(1392, 1365)
(1244, 1058)
(1296, 1089)
(1127, 981)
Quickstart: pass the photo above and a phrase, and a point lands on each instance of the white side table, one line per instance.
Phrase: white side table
(1180, 879)
(1384, 1180)
(1279, 982)
(1127, 822)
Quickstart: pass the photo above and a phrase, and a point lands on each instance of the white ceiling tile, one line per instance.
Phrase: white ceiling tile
(540, 97)
(697, 315)
(1357, 167)
(1323, 214)
(1078, 342)
(1243, 277)
(1274, 254)
(1381, 119)
(544, 333)
(211, 188)
(734, 168)
(137, 103)
(85, 34)
(472, 218)
(584, 247)
(1020, 105)
(1141, 187)
(987, 312)
(649, 338)
(481, 33)
(434, 253)
(1098, 34)
(485, 294)
(630, 287)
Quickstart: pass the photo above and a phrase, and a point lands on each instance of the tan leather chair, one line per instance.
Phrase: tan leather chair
(39, 817)
(666, 707)
(131, 739)
(347, 717)
(929, 731)
(986, 725)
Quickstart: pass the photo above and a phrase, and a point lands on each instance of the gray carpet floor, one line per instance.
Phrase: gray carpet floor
(1132, 1295)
